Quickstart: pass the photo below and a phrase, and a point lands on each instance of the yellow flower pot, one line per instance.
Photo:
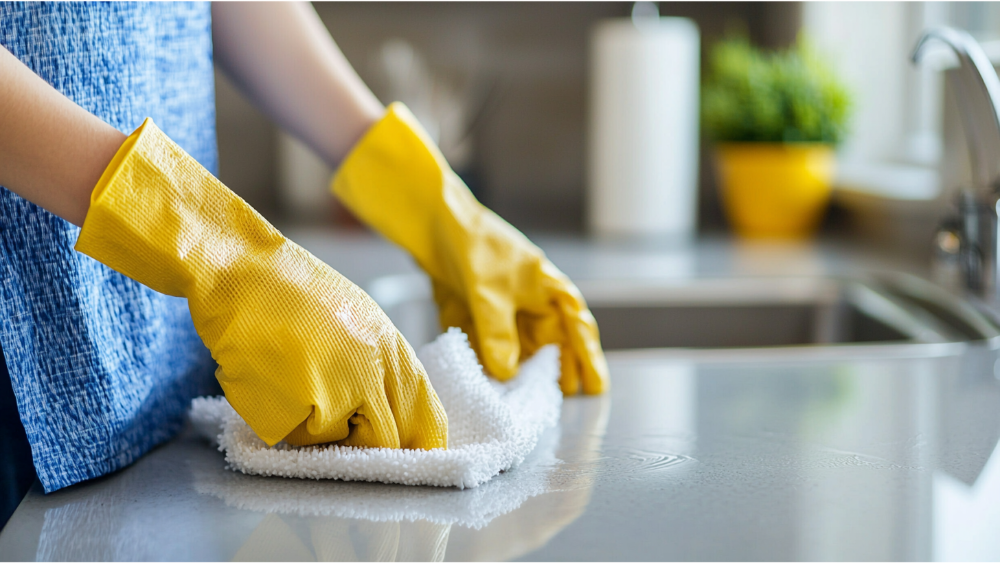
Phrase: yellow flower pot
(775, 190)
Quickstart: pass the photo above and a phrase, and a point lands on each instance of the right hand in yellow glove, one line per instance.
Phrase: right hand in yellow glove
(304, 355)
(488, 278)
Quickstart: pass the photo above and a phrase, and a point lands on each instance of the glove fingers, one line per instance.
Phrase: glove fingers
(452, 310)
(569, 377)
(362, 433)
(537, 330)
(491, 327)
(370, 424)
(582, 336)
(374, 424)
(585, 345)
(301, 436)
(418, 412)
(496, 331)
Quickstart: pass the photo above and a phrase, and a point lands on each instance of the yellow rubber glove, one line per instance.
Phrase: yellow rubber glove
(488, 278)
(304, 355)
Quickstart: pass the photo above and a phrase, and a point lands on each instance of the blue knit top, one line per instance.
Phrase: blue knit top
(102, 367)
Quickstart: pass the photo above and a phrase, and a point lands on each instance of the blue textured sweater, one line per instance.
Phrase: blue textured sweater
(102, 367)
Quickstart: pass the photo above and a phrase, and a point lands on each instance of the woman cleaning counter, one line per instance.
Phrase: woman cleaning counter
(104, 357)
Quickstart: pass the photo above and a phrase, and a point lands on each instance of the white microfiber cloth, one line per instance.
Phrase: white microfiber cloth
(491, 427)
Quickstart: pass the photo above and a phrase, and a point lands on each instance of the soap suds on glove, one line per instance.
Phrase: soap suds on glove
(492, 427)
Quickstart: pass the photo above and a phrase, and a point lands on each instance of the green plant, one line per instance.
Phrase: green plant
(784, 96)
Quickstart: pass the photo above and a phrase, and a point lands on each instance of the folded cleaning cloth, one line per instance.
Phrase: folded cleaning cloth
(491, 427)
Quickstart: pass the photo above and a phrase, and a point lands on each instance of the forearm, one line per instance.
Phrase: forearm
(283, 58)
(52, 151)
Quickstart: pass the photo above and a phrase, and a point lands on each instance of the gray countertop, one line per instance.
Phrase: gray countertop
(855, 457)
(362, 257)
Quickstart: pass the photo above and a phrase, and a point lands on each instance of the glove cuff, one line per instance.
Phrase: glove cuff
(398, 182)
(159, 217)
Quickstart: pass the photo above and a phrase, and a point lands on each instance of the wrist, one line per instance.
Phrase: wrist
(157, 216)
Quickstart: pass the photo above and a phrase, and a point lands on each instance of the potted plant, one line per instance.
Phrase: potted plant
(776, 118)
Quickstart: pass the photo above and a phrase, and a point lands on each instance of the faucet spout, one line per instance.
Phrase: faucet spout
(977, 89)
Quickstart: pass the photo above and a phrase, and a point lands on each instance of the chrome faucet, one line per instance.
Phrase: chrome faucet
(977, 90)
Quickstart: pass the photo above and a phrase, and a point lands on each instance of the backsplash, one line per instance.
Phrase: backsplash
(526, 66)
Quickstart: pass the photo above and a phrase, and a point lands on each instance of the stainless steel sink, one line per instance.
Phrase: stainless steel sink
(791, 315)
(749, 313)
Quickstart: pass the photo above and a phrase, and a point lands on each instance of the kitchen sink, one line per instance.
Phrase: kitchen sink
(802, 314)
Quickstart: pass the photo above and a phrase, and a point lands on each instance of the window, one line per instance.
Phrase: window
(906, 140)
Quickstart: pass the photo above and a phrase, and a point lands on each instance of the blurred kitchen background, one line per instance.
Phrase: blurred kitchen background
(506, 87)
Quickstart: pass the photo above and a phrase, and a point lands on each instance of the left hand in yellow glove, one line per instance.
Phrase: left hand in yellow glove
(304, 355)
(489, 279)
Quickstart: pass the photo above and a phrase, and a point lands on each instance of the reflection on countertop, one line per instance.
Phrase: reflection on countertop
(867, 459)
(843, 458)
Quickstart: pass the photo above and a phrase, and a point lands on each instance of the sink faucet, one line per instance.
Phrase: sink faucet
(977, 89)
